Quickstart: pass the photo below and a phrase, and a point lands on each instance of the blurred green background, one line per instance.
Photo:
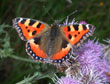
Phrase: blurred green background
(15, 65)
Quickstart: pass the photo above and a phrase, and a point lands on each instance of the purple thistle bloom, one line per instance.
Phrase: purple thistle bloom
(90, 76)
(89, 54)
(90, 58)
(106, 70)
(72, 22)
(106, 62)
(67, 80)
(68, 23)
(82, 22)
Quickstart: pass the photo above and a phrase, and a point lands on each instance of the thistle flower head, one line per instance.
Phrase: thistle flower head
(106, 62)
(90, 76)
(107, 50)
(82, 22)
(89, 54)
(90, 57)
(67, 80)
(105, 68)
(72, 22)
(68, 23)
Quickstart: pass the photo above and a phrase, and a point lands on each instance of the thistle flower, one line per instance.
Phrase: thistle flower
(67, 80)
(72, 22)
(82, 22)
(90, 76)
(107, 50)
(90, 58)
(106, 58)
(105, 68)
(89, 54)
(69, 23)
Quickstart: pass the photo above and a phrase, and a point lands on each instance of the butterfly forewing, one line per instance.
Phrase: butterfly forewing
(77, 33)
(29, 28)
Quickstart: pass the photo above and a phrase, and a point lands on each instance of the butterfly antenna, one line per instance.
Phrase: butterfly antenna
(69, 15)
(48, 13)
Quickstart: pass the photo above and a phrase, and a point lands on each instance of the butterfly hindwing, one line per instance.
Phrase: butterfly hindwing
(62, 55)
(77, 33)
(29, 28)
(34, 50)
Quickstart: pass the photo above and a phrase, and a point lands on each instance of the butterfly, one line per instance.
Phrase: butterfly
(51, 44)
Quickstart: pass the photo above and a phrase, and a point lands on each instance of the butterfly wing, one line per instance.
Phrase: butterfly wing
(34, 49)
(29, 28)
(77, 33)
(63, 54)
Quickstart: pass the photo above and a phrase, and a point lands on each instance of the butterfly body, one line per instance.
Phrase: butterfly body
(51, 44)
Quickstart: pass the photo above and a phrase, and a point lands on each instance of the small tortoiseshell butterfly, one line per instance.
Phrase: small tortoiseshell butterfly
(51, 44)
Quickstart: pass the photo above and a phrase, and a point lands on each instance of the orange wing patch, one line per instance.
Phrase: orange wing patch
(77, 33)
(30, 31)
(34, 51)
(28, 28)
(62, 55)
